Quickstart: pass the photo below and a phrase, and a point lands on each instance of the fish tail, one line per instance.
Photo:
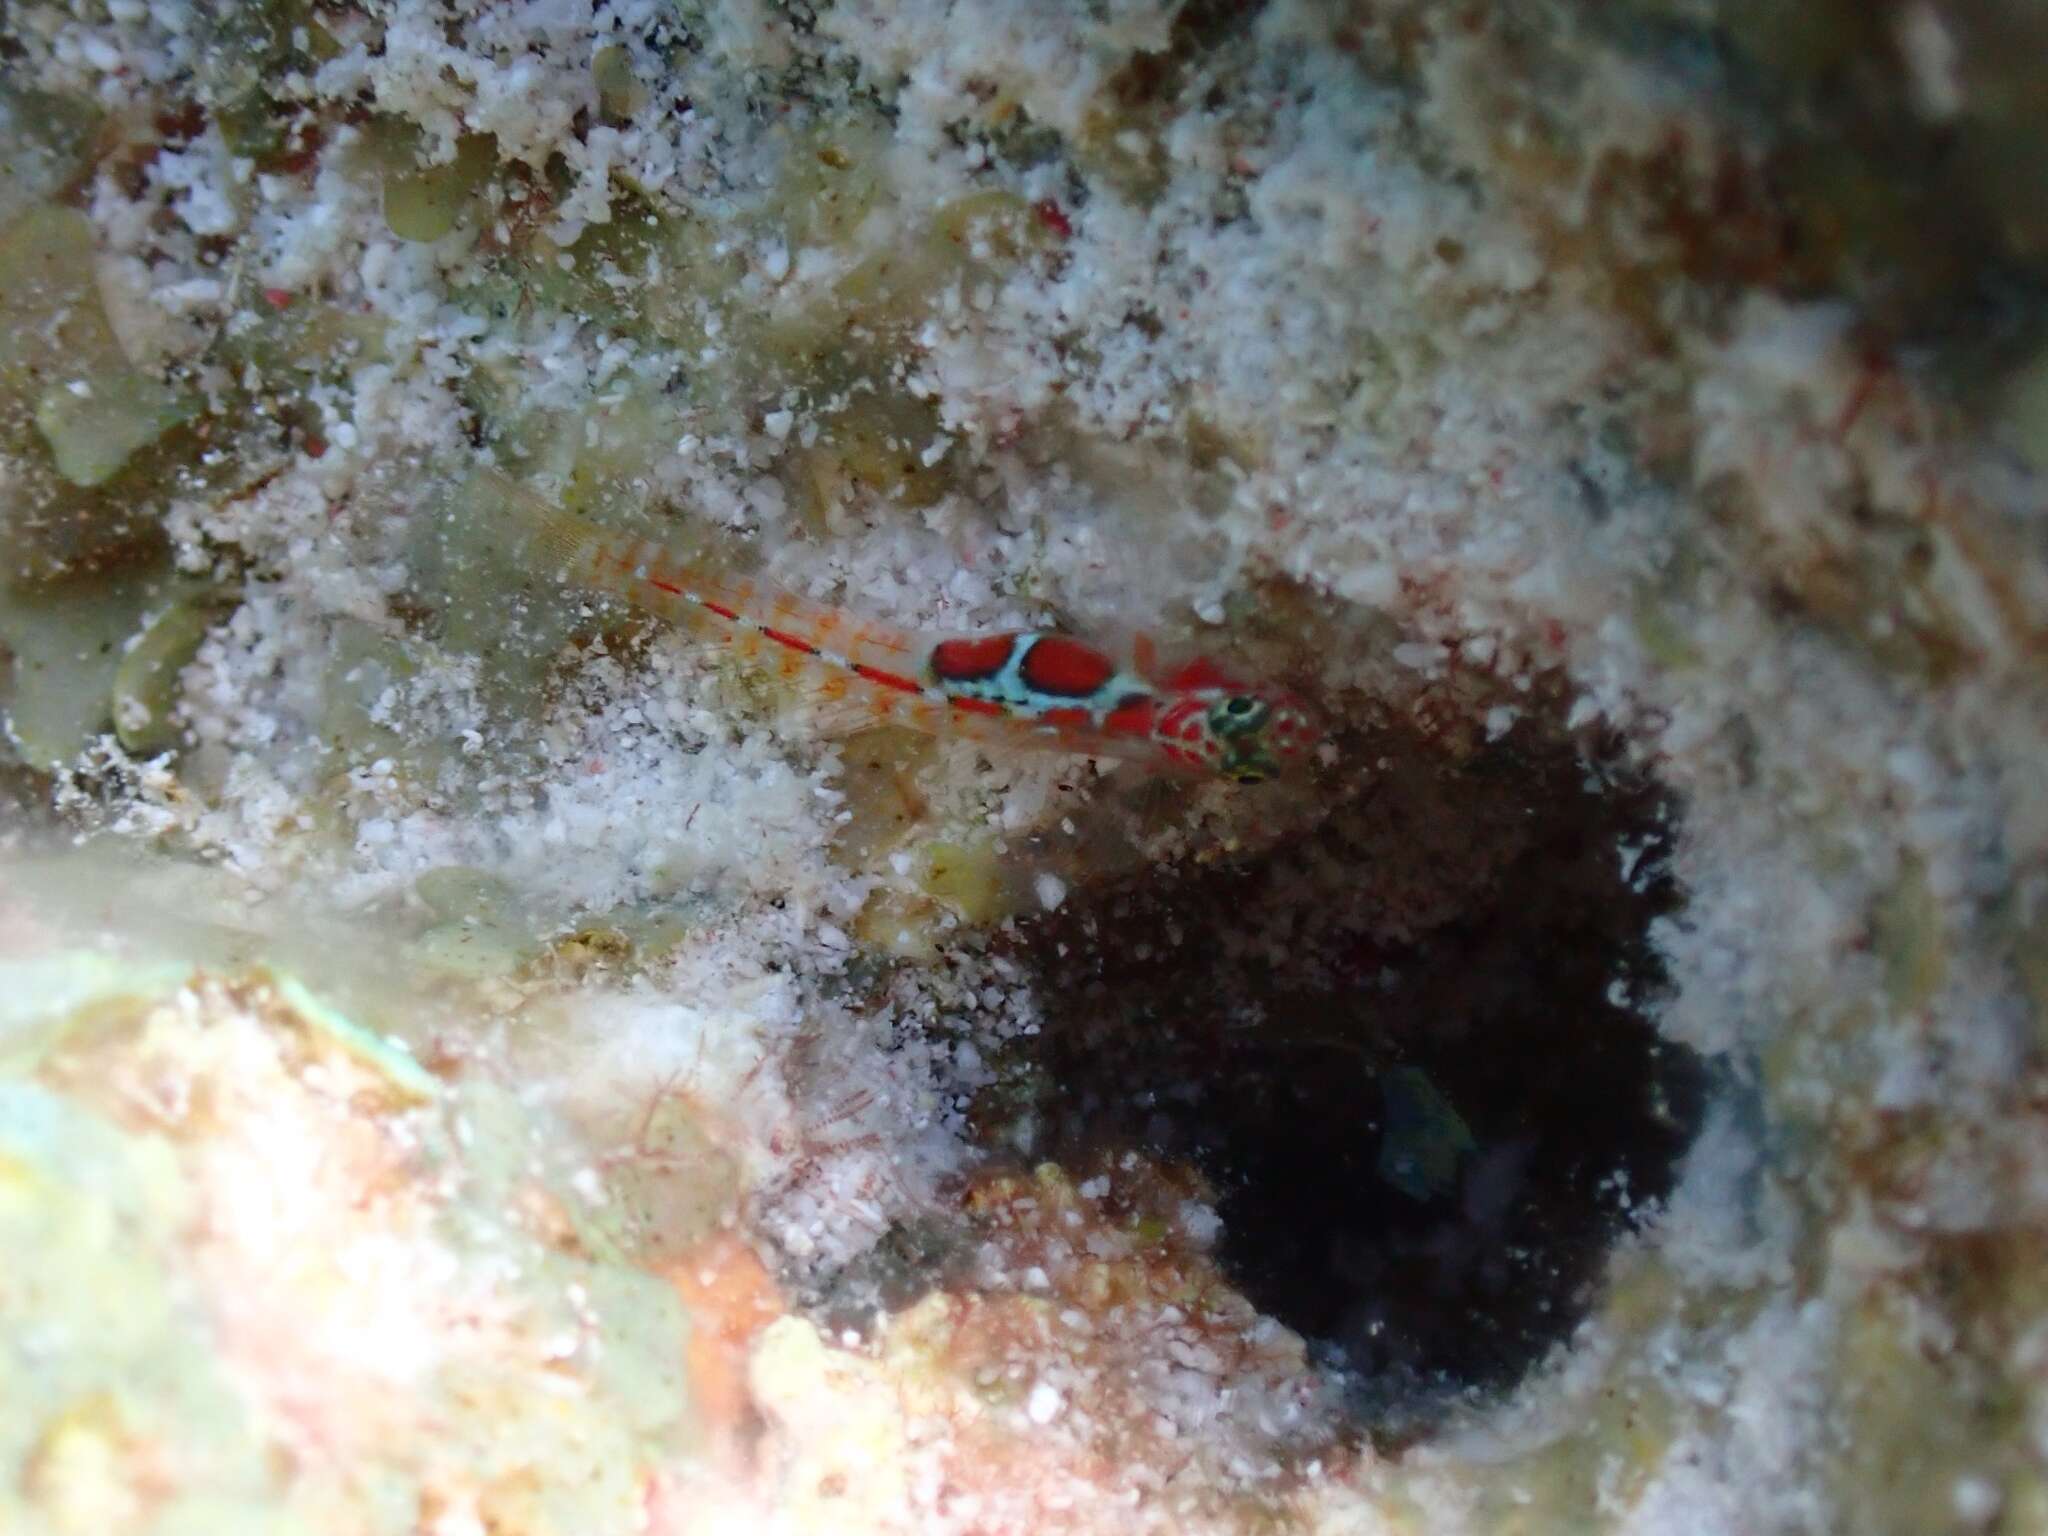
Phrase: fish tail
(558, 542)
(857, 671)
(551, 538)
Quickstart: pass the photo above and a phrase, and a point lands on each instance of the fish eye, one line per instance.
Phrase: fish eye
(1239, 705)
(1249, 775)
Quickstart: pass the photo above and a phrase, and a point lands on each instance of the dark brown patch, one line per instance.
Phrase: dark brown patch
(1407, 1048)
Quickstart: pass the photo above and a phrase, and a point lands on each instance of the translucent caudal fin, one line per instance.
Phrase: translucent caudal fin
(551, 539)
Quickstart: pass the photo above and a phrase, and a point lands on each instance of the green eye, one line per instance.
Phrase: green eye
(1249, 775)
(1237, 714)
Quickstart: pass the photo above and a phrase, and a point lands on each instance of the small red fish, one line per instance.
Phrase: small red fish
(1029, 688)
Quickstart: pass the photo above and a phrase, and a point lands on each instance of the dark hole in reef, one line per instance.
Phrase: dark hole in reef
(1406, 1048)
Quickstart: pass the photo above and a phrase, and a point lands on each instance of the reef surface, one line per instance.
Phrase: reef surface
(478, 1057)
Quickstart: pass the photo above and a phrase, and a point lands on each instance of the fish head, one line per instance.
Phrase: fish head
(1259, 733)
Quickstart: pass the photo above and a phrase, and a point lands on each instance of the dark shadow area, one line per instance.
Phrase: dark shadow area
(1407, 1050)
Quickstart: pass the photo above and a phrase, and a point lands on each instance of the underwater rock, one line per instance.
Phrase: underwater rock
(1600, 1091)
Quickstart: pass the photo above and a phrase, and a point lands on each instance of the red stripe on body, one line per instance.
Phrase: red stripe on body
(975, 706)
(794, 642)
(662, 586)
(722, 612)
(1135, 716)
(1066, 668)
(1068, 718)
(971, 661)
(888, 679)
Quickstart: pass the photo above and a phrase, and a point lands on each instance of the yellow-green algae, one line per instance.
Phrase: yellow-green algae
(105, 1365)
(73, 676)
(126, 1402)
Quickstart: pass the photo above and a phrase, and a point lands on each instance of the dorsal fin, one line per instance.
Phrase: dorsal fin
(1145, 657)
(1203, 673)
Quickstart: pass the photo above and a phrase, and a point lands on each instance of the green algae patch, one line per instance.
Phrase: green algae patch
(428, 204)
(72, 669)
(145, 689)
(90, 439)
(51, 322)
(94, 425)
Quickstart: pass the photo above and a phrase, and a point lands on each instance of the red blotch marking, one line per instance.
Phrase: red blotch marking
(975, 706)
(1051, 216)
(886, 679)
(794, 642)
(971, 661)
(1136, 716)
(1065, 668)
(277, 298)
